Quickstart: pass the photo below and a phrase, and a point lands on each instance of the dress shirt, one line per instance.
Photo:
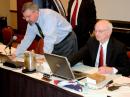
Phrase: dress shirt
(55, 29)
(104, 45)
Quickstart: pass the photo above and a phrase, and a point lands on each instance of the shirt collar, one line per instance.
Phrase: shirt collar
(105, 43)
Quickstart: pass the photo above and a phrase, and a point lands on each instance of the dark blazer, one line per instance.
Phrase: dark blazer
(116, 55)
(85, 21)
(52, 5)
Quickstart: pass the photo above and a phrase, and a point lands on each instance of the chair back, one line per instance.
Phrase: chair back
(40, 45)
(7, 33)
(37, 46)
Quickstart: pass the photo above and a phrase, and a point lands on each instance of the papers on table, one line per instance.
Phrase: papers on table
(92, 85)
(84, 68)
(91, 70)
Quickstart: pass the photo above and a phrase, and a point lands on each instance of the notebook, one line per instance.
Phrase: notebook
(4, 58)
(60, 67)
(10, 63)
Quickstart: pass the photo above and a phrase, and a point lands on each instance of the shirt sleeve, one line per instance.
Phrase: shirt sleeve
(54, 27)
(50, 35)
(114, 70)
(27, 40)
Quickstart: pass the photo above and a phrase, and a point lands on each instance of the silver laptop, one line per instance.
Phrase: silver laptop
(60, 67)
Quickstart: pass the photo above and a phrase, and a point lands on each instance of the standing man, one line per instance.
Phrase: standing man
(52, 27)
(82, 16)
(104, 51)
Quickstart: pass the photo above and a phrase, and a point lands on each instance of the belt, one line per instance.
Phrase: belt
(67, 36)
(62, 42)
(64, 38)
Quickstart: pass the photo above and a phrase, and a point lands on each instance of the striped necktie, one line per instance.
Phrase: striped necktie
(101, 57)
(40, 30)
(60, 7)
(73, 19)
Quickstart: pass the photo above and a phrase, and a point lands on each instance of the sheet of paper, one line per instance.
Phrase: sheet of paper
(122, 80)
(85, 68)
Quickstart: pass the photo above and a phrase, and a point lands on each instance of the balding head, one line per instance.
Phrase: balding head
(103, 30)
(104, 24)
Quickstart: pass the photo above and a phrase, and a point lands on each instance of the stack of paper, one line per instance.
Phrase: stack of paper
(96, 81)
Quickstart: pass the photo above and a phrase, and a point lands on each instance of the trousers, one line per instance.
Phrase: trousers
(67, 46)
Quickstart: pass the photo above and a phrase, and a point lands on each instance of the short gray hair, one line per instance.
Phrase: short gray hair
(30, 6)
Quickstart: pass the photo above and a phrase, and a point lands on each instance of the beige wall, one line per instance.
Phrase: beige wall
(7, 6)
(106, 9)
(65, 3)
(113, 9)
(13, 4)
(13, 19)
(13, 13)
(5, 11)
(4, 7)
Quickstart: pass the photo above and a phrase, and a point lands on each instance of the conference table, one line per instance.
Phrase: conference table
(15, 83)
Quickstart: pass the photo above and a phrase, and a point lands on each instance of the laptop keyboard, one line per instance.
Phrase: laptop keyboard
(79, 75)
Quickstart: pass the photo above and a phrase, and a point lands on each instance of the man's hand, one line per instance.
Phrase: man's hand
(105, 70)
(12, 57)
(41, 60)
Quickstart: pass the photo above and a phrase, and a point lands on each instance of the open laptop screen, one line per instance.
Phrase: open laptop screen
(59, 66)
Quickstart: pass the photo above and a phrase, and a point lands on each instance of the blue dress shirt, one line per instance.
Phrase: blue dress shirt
(54, 27)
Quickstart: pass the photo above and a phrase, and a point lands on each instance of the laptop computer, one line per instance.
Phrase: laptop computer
(60, 67)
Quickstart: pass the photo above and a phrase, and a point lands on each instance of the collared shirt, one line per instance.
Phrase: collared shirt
(104, 45)
(54, 27)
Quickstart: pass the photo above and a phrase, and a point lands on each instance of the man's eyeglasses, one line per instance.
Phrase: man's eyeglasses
(100, 31)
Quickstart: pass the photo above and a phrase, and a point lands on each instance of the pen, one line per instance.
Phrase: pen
(81, 78)
(110, 82)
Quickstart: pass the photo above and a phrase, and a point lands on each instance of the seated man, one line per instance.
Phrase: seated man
(110, 58)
